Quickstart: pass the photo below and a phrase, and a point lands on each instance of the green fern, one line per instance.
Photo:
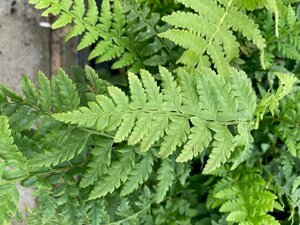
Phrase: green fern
(12, 161)
(101, 159)
(203, 33)
(106, 31)
(165, 176)
(287, 42)
(73, 142)
(117, 173)
(244, 198)
(12, 166)
(138, 175)
(151, 115)
(271, 101)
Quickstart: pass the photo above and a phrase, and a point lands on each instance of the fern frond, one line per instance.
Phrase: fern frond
(9, 196)
(176, 135)
(165, 177)
(62, 149)
(199, 139)
(153, 115)
(64, 93)
(101, 159)
(246, 201)
(66, 195)
(138, 175)
(107, 30)
(96, 212)
(9, 152)
(29, 91)
(269, 101)
(205, 33)
(12, 166)
(117, 173)
(45, 96)
(222, 148)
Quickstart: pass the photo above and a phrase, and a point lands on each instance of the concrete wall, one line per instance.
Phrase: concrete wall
(24, 45)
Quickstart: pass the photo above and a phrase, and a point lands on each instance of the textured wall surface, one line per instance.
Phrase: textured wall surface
(24, 45)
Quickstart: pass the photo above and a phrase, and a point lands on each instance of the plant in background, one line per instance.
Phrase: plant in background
(202, 130)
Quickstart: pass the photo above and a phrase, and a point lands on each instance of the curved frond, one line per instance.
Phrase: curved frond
(168, 116)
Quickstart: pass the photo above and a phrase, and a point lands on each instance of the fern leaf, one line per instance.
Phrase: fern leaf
(190, 98)
(245, 96)
(247, 191)
(287, 81)
(92, 13)
(154, 98)
(62, 21)
(117, 174)
(97, 85)
(100, 49)
(78, 8)
(171, 91)
(128, 121)
(114, 52)
(10, 93)
(8, 150)
(119, 97)
(73, 145)
(77, 29)
(9, 196)
(199, 139)
(240, 21)
(165, 177)
(101, 156)
(41, 4)
(186, 40)
(96, 211)
(227, 98)
(125, 60)
(65, 96)
(164, 116)
(139, 174)
(45, 98)
(141, 128)
(159, 124)
(12, 158)
(89, 38)
(67, 200)
(207, 94)
(176, 134)
(218, 57)
(223, 147)
(29, 91)
(204, 33)
(106, 16)
(138, 96)
(98, 114)
(118, 18)
(66, 4)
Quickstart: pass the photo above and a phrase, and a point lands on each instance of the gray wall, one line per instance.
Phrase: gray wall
(24, 45)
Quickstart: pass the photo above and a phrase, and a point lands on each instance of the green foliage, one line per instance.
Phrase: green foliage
(244, 198)
(120, 30)
(202, 130)
(152, 115)
(203, 33)
(12, 165)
